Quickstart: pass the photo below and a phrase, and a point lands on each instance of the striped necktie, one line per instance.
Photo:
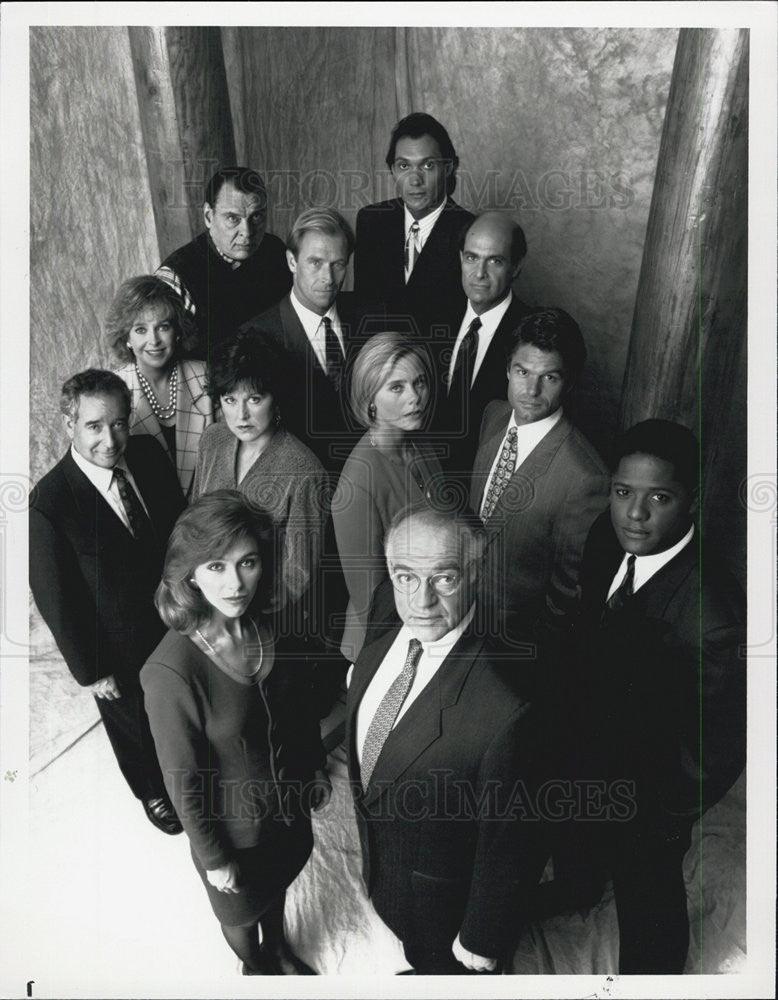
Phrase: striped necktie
(412, 249)
(386, 714)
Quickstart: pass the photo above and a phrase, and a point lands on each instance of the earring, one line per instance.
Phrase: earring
(277, 419)
(371, 411)
(192, 583)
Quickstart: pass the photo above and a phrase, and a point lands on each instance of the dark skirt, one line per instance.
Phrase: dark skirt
(265, 871)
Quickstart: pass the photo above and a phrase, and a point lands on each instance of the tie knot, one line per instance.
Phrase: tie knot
(414, 228)
(119, 474)
(475, 326)
(414, 653)
(513, 433)
(326, 323)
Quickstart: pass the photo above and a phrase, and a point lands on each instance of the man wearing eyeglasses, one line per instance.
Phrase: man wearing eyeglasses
(441, 751)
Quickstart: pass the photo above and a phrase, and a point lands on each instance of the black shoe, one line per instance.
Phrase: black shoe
(163, 815)
(282, 961)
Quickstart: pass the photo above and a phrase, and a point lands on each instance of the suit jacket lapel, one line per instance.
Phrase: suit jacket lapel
(394, 259)
(485, 457)
(192, 416)
(422, 724)
(93, 506)
(437, 249)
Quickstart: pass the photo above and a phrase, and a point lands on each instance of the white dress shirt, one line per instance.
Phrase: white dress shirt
(432, 656)
(528, 437)
(647, 566)
(314, 329)
(490, 320)
(105, 484)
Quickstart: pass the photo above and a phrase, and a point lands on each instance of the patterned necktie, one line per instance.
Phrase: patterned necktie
(625, 589)
(333, 354)
(506, 466)
(136, 515)
(412, 249)
(463, 366)
(389, 708)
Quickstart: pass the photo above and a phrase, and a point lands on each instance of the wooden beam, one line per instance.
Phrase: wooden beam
(690, 309)
(185, 118)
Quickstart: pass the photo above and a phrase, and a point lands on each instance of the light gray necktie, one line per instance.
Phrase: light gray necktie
(388, 709)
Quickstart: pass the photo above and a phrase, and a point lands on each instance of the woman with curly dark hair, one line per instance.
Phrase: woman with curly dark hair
(251, 450)
(148, 331)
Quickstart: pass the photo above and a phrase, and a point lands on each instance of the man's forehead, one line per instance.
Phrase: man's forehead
(490, 235)
(420, 545)
(230, 197)
(329, 244)
(423, 147)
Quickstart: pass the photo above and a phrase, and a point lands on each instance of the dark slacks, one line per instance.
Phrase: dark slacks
(651, 899)
(127, 726)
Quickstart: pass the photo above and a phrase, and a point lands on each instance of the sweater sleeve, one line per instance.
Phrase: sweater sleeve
(178, 730)
(359, 532)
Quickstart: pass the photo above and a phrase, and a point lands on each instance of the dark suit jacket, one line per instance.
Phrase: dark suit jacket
(443, 846)
(459, 412)
(320, 417)
(662, 682)
(433, 295)
(539, 526)
(93, 583)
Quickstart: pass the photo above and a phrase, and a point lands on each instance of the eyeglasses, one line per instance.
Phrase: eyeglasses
(444, 584)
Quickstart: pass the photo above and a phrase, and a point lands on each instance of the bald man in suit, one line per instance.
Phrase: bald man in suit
(441, 753)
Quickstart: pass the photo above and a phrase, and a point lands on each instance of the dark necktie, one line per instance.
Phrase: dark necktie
(140, 525)
(625, 589)
(388, 709)
(332, 353)
(465, 360)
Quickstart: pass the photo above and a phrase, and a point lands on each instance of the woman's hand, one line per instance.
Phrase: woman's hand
(322, 790)
(226, 878)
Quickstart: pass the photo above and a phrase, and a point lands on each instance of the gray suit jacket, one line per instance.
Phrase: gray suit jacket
(539, 526)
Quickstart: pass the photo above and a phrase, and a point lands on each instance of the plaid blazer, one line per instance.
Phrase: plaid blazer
(194, 413)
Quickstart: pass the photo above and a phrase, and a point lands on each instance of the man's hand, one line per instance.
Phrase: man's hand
(470, 961)
(225, 879)
(106, 688)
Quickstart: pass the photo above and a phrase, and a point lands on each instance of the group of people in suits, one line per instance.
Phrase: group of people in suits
(383, 491)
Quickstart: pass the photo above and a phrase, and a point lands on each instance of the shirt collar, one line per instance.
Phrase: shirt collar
(425, 224)
(310, 320)
(440, 648)
(490, 319)
(646, 566)
(538, 429)
(234, 264)
(99, 477)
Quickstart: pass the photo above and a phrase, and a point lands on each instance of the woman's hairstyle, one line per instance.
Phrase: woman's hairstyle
(249, 359)
(206, 531)
(135, 294)
(373, 365)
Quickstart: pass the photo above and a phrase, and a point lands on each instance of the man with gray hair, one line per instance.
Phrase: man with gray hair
(312, 326)
(441, 750)
(99, 524)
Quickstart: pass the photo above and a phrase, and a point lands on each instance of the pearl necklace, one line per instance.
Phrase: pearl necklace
(159, 412)
(223, 663)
